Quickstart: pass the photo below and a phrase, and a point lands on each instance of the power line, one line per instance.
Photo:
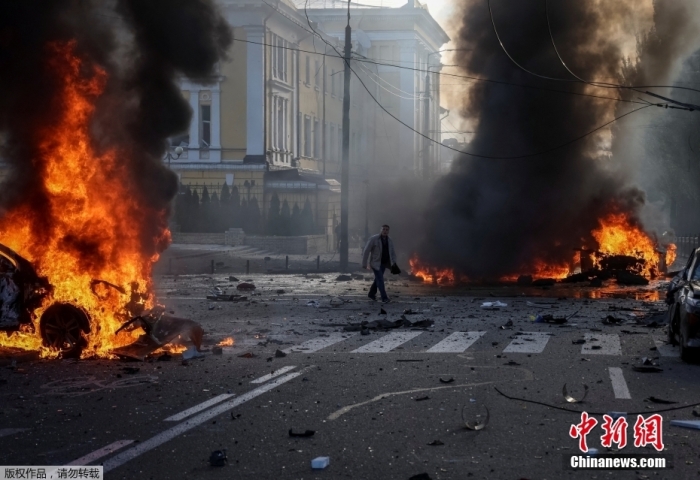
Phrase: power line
(577, 78)
(490, 157)
(468, 77)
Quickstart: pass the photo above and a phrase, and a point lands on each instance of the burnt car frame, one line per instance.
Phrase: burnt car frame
(683, 299)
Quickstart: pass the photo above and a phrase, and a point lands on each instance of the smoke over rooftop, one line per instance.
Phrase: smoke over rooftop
(494, 217)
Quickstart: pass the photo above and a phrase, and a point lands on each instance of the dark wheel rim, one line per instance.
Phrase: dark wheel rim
(62, 327)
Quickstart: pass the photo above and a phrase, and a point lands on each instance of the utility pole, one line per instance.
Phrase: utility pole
(345, 164)
(426, 128)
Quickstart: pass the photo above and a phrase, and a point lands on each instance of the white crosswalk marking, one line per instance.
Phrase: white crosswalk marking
(102, 452)
(528, 342)
(609, 344)
(664, 349)
(199, 407)
(316, 344)
(618, 383)
(387, 343)
(457, 342)
(274, 374)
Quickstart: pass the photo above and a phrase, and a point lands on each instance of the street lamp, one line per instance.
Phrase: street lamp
(178, 152)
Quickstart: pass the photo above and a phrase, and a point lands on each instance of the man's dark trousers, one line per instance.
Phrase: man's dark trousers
(378, 284)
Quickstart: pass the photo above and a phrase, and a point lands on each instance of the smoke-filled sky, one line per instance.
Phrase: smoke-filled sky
(492, 217)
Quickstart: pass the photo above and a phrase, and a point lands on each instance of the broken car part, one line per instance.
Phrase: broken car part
(478, 423)
(571, 399)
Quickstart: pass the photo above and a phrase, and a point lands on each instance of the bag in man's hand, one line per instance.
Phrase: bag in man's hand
(395, 269)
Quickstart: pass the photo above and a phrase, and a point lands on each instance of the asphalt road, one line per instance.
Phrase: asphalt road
(376, 402)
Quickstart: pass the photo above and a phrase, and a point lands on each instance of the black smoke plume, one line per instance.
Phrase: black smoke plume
(143, 46)
(489, 217)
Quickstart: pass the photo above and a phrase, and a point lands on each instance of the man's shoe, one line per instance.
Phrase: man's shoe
(374, 299)
(386, 300)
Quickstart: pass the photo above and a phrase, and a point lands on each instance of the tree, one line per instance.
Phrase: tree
(243, 216)
(273, 216)
(286, 219)
(296, 227)
(205, 211)
(225, 220)
(254, 216)
(308, 226)
(194, 212)
(215, 214)
(236, 210)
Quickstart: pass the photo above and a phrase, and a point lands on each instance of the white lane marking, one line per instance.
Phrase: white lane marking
(618, 383)
(457, 342)
(11, 431)
(609, 344)
(199, 407)
(274, 374)
(102, 452)
(180, 428)
(387, 343)
(664, 349)
(528, 342)
(316, 344)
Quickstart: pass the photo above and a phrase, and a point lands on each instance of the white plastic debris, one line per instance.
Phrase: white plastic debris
(313, 303)
(191, 353)
(694, 424)
(320, 463)
(493, 305)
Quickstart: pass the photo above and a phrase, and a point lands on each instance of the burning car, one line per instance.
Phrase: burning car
(65, 327)
(683, 299)
(62, 326)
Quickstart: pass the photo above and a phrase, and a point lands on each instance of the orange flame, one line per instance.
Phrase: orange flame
(617, 235)
(428, 274)
(226, 342)
(87, 215)
(671, 251)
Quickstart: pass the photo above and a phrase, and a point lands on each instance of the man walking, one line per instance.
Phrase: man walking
(379, 254)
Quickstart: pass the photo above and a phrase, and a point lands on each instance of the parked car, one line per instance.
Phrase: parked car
(683, 299)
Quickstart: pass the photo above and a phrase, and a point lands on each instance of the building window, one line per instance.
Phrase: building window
(279, 58)
(317, 75)
(307, 136)
(317, 138)
(308, 70)
(206, 125)
(280, 108)
(334, 141)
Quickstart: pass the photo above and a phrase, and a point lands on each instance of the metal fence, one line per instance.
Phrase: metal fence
(686, 244)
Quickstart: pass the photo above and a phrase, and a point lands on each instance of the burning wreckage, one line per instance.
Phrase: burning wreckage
(65, 327)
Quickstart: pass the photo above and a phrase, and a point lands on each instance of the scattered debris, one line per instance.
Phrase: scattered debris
(382, 311)
(647, 369)
(493, 305)
(216, 350)
(247, 355)
(507, 325)
(449, 380)
(279, 353)
(131, 370)
(436, 443)
(550, 319)
(343, 278)
(319, 463)
(539, 305)
(191, 353)
(659, 400)
(313, 303)
(218, 458)
(476, 424)
(166, 357)
(279, 291)
(571, 399)
(305, 434)
(245, 286)
(421, 476)
(694, 424)
(409, 360)
(233, 279)
(610, 320)
(544, 282)
(159, 330)
(511, 363)
(409, 311)
(383, 324)
(580, 341)
(420, 399)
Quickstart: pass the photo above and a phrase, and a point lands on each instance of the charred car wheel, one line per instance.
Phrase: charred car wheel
(62, 328)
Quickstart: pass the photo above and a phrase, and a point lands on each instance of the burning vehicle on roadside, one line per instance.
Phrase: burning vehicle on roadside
(683, 299)
(65, 327)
